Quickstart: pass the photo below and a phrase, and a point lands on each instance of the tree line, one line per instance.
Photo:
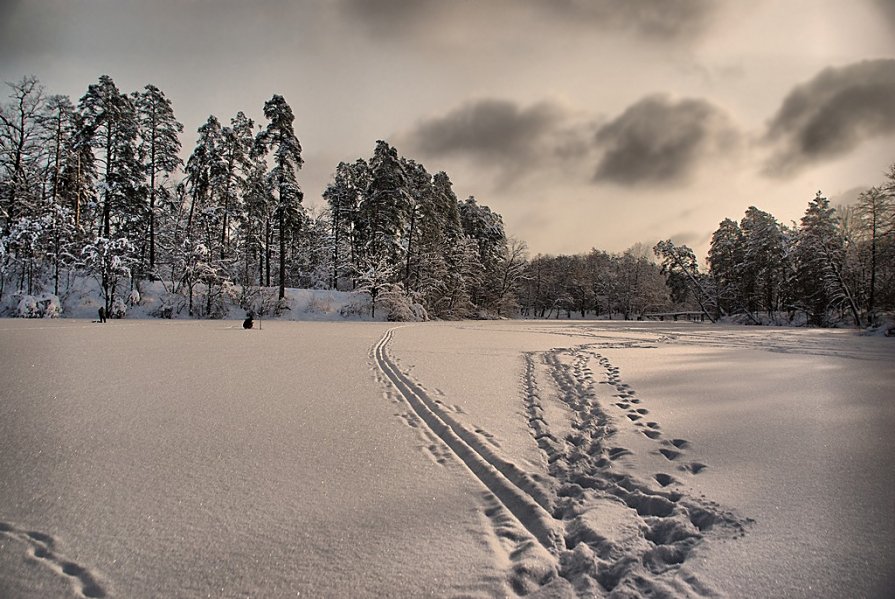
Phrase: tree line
(836, 264)
(99, 189)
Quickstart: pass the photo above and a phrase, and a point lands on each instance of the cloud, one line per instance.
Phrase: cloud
(659, 140)
(832, 114)
(654, 19)
(492, 132)
(663, 19)
(387, 18)
(887, 10)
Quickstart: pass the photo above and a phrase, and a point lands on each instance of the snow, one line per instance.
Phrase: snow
(146, 458)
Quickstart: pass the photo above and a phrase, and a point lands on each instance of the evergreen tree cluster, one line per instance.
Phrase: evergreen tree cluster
(836, 264)
(402, 235)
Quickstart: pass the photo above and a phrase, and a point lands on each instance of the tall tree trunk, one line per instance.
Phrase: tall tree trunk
(872, 299)
(335, 276)
(152, 210)
(282, 277)
(267, 236)
(107, 208)
(409, 249)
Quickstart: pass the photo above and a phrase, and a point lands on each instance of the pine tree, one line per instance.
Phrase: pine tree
(420, 199)
(280, 140)
(764, 268)
(204, 172)
(820, 253)
(384, 209)
(258, 203)
(236, 147)
(159, 148)
(111, 127)
(439, 230)
(344, 195)
(726, 257)
(486, 229)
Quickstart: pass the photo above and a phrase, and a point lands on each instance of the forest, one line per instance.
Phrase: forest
(99, 190)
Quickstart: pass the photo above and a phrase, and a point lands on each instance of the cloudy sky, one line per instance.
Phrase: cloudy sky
(585, 123)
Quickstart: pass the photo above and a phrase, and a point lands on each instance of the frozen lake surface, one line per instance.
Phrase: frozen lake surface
(473, 459)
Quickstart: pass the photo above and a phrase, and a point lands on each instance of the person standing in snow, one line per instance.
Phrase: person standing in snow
(102, 314)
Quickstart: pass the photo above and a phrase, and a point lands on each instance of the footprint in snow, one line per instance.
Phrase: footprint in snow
(664, 479)
(670, 454)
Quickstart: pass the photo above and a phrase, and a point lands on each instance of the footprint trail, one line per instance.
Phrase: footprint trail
(587, 518)
(42, 547)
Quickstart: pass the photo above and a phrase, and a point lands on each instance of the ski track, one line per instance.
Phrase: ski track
(42, 547)
(605, 532)
(515, 489)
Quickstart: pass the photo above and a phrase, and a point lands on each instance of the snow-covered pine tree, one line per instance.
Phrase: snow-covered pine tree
(765, 264)
(343, 195)
(820, 256)
(258, 204)
(111, 126)
(419, 209)
(236, 145)
(439, 230)
(160, 146)
(280, 141)
(486, 229)
(726, 257)
(383, 211)
(204, 172)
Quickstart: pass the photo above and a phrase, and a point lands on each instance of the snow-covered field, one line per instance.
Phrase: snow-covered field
(476, 459)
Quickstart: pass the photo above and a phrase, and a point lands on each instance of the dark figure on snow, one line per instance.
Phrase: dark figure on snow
(248, 322)
(102, 314)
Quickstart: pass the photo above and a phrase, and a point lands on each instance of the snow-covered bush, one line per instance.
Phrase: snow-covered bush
(402, 307)
(281, 306)
(109, 262)
(320, 304)
(259, 301)
(134, 298)
(885, 327)
(46, 305)
(28, 307)
(50, 306)
(357, 305)
(118, 309)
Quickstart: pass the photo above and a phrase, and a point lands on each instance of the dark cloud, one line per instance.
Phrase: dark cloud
(832, 114)
(887, 10)
(392, 17)
(657, 19)
(659, 140)
(665, 19)
(493, 131)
